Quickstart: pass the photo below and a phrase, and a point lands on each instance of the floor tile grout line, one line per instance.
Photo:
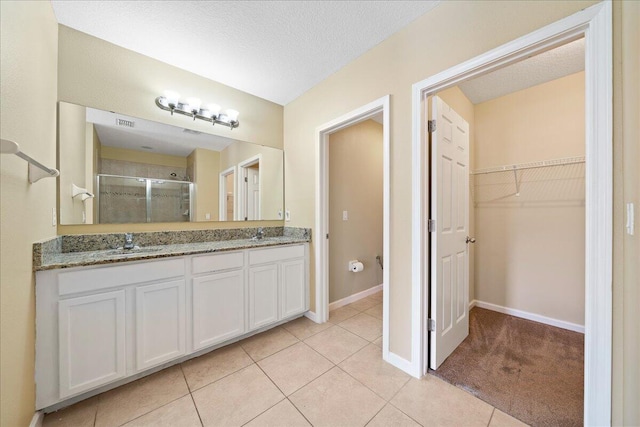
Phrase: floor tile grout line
(269, 408)
(197, 410)
(401, 411)
(221, 378)
(154, 409)
(491, 417)
(299, 411)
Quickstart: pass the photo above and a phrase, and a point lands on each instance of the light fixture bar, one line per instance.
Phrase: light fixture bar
(229, 119)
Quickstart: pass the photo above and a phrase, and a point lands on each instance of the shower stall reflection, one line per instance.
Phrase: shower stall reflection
(126, 199)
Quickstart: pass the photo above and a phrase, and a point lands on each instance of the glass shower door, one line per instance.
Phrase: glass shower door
(170, 201)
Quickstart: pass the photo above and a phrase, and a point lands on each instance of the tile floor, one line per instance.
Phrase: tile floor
(298, 374)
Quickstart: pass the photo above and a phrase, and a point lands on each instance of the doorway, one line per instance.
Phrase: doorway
(364, 113)
(526, 204)
(594, 24)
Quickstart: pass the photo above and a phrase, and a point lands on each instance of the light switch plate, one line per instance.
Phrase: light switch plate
(54, 217)
(345, 215)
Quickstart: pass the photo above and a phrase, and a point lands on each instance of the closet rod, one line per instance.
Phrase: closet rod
(532, 165)
(37, 170)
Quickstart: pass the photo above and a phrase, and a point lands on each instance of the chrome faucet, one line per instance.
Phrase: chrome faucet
(259, 234)
(128, 241)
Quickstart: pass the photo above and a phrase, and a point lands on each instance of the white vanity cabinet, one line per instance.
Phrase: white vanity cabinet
(160, 323)
(218, 298)
(92, 341)
(277, 284)
(100, 326)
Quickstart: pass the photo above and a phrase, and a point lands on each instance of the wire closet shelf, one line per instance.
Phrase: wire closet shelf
(548, 182)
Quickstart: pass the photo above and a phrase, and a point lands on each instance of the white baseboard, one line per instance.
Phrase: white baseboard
(402, 364)
(529, 316)
(312, 316)
(37, 420)
(354, 297)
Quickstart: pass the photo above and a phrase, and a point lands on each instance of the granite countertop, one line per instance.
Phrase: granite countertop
(50, 255)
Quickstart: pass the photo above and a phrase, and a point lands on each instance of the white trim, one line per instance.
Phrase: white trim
(37, 419)
(595, 24)
(472, 304)
(312, 316)
(529, 316)
(322, 202)
(402, 363)
(355, 297)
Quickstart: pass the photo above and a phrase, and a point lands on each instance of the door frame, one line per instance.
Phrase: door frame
(322, 133)
(595, 25)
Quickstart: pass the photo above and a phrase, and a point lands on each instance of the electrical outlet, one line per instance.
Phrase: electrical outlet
(345, 215)
(207, 216)
(287, 215)
(54, 217)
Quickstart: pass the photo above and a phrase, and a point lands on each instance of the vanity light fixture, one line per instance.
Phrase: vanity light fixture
(192, 107)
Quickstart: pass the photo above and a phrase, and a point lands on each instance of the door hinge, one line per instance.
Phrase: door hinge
(432, 225)
(431, 324)
(431, 126)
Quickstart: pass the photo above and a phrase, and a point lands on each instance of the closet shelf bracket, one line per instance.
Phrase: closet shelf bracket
(37, 170)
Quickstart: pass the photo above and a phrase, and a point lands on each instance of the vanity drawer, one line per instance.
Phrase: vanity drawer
(93, 279)
(262, 256)
(217, 262)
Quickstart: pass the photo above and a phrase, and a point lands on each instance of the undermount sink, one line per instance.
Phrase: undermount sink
(135, 251)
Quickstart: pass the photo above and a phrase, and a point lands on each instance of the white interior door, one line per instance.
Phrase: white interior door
(253, 193)
(449, 298)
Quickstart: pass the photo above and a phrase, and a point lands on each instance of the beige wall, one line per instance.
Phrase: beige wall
(271, 173)
(206, 175)
(456, 99)
(72, 159)
(530, 249)
(355, 185)
(28, 57)
(391, 68)
(98, 74)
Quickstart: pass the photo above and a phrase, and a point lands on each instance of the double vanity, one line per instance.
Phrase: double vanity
(105, 315)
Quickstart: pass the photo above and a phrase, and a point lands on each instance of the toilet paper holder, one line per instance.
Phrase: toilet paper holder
(355, 266)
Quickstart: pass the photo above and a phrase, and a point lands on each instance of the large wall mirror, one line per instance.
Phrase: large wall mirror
(117, 169)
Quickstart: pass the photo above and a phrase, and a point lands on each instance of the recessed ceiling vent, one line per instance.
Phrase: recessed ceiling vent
(191, 132)
(125, 123)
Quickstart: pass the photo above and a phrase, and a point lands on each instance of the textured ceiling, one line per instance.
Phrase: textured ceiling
(276, 50)
(545, 67)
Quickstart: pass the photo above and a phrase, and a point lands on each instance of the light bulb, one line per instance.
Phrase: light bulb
(213, 110)
(171, 97)
(232, 115)
(194, 104)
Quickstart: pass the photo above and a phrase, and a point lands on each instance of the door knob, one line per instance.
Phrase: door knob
(471, 239)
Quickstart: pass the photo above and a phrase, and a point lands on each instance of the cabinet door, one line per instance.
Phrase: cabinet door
(293, 294)
(91, 333)
(263, 295)
(160, 323)
(218, 308)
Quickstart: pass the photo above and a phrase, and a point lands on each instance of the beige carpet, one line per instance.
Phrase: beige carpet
(531, 371)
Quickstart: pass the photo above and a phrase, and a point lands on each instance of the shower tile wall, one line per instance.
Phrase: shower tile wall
(124, 200)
